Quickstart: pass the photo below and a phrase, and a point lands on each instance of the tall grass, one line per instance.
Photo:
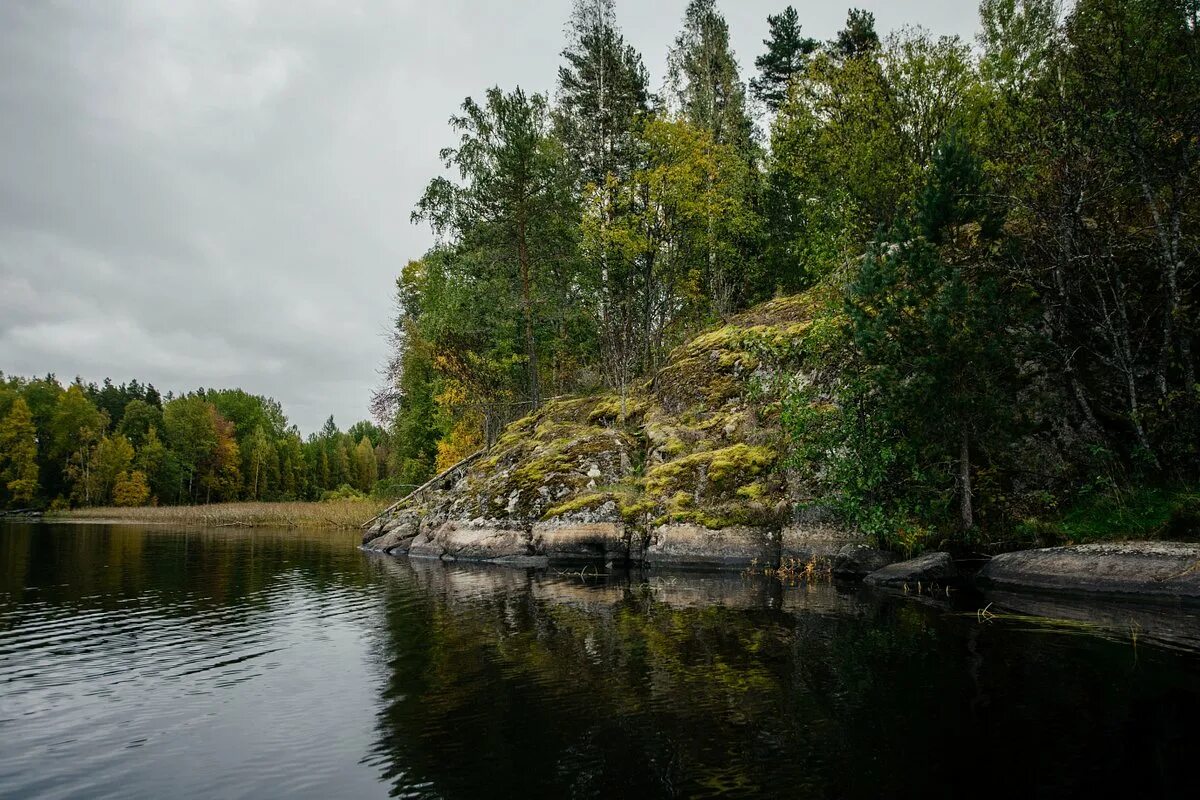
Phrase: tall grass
(329, 514)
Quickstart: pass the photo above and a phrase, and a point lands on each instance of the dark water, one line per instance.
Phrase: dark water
(147, 663)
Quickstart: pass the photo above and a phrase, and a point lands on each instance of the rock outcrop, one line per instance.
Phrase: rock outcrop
(684, 471)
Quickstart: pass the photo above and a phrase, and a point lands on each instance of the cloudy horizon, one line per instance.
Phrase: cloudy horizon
(218, 193)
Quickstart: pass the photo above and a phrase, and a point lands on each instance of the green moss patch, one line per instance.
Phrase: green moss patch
(699, 443)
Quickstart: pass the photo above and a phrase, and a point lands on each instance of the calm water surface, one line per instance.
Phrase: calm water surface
(152, 663)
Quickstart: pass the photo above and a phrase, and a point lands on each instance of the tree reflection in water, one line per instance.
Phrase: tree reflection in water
(510, 683)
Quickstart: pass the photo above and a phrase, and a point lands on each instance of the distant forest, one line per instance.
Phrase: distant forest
(1001, 233)
(125, 445)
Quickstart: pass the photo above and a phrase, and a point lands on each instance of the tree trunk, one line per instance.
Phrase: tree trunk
(527, 304)
(1059, 316)
(966, 512)
(1172, 266)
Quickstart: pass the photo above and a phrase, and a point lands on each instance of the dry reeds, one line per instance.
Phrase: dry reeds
(338, 514)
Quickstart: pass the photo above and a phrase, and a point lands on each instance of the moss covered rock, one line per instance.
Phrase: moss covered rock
(691, 459)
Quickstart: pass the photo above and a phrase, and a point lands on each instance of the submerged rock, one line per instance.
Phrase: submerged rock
(932, 570)
(1147, 569)
(396, 542)
(857, 560)
(1127, 618)
(392, 534)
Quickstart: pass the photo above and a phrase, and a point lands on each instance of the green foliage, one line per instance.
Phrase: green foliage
(111, 459)
(784, 60)
(18, 453)
(602, 93)
(704, 80)
(1138, 513)
(138, 418)
(58, 448)
(131, 489)
(858, 39)
(513, 212)
(76, 428)
(343, 492)
(929, 386)
(997, 250)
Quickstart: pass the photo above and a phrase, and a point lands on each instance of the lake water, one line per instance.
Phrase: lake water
(153, 663)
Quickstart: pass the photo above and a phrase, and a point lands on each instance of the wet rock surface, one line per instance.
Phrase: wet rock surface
(565, 541)
(1135, 569)
(857, 560)
(476, 540)
(820, 541)
(929, 571)
(1126, 619)
(697, 547)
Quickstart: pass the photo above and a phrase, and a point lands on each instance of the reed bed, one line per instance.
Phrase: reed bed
(338, 514)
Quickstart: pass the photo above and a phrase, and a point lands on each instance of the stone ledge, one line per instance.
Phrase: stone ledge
(930, 572)
(565, 541)
(475, 540)
(696, 547)
(1136, 569)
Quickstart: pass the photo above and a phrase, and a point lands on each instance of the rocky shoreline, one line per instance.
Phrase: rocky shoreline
(1130, 570)
(690, 471)
(673, 545)
(21, 513)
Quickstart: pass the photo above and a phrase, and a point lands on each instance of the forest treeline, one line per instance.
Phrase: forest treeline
(1004, 229)
(126, 445)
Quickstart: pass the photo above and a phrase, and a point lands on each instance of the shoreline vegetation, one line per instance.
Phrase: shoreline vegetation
(332, 514)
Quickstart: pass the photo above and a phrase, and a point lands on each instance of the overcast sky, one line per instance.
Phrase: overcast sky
(217, 192)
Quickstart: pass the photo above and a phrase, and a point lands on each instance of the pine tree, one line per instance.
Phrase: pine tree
(514, 208)
(18, 453)
(858, 38)
(786, 56)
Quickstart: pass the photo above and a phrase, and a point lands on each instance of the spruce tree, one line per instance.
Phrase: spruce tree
(785, 58)
(933, 326)
(602, 100)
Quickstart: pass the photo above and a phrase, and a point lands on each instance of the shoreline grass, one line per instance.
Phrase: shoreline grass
(335, 514)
